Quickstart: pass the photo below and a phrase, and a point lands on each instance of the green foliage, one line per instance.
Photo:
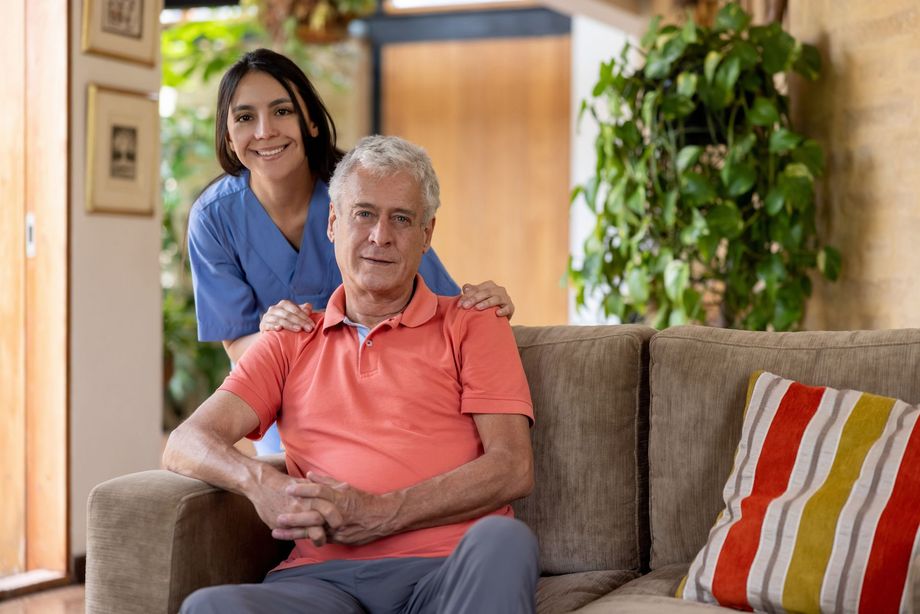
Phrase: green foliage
(703, 193)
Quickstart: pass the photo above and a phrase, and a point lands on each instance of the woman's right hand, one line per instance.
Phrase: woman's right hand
(287, 315)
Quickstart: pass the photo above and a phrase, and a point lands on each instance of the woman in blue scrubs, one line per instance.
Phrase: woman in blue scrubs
(257, 240)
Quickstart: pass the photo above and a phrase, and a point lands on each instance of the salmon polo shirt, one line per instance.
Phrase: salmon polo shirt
(387, 414)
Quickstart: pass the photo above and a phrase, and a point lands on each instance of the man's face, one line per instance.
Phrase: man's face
(379, 233)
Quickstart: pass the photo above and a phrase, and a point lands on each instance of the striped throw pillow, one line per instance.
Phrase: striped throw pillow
(821, 508)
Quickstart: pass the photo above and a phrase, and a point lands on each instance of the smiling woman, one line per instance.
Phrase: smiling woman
(258, 248)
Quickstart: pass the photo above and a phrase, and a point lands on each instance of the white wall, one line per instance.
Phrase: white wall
(116, 332)
(592, 43)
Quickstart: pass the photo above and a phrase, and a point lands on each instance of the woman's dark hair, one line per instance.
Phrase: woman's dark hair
(322, 155)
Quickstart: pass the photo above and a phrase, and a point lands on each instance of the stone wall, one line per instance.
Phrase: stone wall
(865, 112)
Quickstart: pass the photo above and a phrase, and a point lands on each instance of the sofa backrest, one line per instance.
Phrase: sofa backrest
(590, 393)
(698, 380)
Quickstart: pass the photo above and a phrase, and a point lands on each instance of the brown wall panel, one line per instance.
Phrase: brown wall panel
(494, 116)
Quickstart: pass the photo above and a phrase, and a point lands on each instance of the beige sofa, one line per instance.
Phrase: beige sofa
(635, 436)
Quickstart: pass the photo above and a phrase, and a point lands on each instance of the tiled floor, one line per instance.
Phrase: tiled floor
(67, 600)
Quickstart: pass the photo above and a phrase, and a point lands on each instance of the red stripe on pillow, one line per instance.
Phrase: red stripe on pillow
(889, 559)
(777, 458)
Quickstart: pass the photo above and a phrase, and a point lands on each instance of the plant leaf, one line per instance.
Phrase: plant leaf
(775, 200)
(696, 188)
(796, 179)
(811, 155)
(652, 33)
(783, 139)
(675, 106)
(686, 83)
(746, 54)
(676, 279)
(637, 282)
(691, 234)
(656, 65)
(725, 220)
(808, 62)
(829, 263)
(670, 208)
(688, 157)
(731, 17)
(763, 113)
(743, 146)
(688, 32)
(649, 103)
(710, 64)
(777, 51)
(738, 178)
(727, 76)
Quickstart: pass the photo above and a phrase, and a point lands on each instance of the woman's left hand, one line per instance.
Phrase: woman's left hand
(485, 295)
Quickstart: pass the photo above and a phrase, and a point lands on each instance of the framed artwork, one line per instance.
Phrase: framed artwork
(122, 151)
(125, 29)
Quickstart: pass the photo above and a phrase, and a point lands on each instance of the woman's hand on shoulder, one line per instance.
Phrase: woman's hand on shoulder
(287, 315)
(485, 295)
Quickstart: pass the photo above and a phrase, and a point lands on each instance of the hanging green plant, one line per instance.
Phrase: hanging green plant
(703, 193)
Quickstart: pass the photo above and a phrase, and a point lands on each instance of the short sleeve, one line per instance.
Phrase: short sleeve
(258, 378)
(491, 374)
(436, 276)
(225, 303)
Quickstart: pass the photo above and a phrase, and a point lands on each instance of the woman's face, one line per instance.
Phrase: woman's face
(263, 129)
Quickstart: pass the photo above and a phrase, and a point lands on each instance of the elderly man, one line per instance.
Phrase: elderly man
(405, 421)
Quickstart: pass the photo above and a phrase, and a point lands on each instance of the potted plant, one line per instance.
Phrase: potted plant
(313, 21)
(703, 193)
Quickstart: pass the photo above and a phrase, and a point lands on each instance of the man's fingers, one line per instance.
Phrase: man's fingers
(301, 520)
(317, 535)
(320, 512)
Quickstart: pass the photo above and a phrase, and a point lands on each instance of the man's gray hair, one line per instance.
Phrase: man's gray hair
(386, 155)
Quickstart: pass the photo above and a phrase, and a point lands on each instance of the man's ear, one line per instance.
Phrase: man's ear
(429, 230)
(330, 227)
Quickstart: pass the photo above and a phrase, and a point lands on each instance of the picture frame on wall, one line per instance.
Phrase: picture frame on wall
(123, 29)
(122, 151)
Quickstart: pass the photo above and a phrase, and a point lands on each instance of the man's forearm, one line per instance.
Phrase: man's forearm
(199, 454)
(202, 446)
(470, 491)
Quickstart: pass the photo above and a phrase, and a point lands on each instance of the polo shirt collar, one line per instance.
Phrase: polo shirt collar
(421, 308)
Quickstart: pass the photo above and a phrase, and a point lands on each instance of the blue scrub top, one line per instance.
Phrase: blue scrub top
(242, 264)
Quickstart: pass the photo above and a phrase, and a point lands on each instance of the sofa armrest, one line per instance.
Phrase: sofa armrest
(154, 537)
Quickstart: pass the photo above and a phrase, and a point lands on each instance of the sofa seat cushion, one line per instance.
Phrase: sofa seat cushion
(568, 592)
(652, 593)
(699, 379)
(589, 387)
(822, 507)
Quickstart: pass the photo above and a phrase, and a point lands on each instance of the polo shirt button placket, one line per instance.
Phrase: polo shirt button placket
(368, 358)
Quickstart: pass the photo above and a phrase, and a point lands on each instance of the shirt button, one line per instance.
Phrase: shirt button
(370, 343)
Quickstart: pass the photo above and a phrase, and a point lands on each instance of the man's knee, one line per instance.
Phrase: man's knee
(210, 600)
(500, 534)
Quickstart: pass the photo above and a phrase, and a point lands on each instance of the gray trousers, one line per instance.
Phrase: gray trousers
(493, 569)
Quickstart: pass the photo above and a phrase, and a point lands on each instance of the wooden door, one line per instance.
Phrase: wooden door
(494, 115)
(34, 183)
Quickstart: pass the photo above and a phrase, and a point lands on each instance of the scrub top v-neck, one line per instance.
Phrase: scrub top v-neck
(242, 264)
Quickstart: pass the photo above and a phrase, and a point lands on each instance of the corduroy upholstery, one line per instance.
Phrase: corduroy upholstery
(591, 418)
(624, 481)
(699, 379)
